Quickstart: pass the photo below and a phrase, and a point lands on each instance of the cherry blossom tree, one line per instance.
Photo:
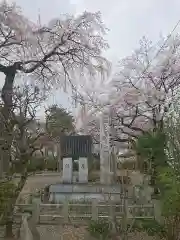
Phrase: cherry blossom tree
(145, 85)
(141, 92)
(52, 55)
(149, 83)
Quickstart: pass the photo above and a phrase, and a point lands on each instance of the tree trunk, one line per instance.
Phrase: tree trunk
(7, 120)
(24, 157)
(8, 229)
(9, 211)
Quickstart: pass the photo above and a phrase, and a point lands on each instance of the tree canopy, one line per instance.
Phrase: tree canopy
(53, 52)
(53, 55)
(58, 121)
(139, 93)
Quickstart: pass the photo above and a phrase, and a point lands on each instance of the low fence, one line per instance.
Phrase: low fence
(82, 213)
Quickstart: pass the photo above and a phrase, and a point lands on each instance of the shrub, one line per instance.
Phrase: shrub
(100, 229)
(51, 165)
(36, 164)
(151, 227)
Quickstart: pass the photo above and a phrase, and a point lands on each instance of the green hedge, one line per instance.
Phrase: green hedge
(51, 165)
(37, 164)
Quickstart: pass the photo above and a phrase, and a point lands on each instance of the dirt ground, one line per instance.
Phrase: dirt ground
(77, 233)
(69, 232)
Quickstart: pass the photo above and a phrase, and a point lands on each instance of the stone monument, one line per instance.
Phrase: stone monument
(67, 170)
(83, 170)
(75, 147)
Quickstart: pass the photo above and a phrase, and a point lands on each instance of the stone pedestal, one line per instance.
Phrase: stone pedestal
(105, 176)
(83, 170)
(67, 170)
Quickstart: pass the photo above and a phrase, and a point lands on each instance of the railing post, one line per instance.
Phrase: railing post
(157, 211)
(36, 210)
(112, 214)
(94, 210)
(65, 211)
(32, 223)
(125, 214)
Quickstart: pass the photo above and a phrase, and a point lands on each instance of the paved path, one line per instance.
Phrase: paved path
(39, 181)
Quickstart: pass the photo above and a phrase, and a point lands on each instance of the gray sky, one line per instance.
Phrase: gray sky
(128, 21)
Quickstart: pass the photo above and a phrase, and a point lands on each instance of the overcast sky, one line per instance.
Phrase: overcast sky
(128, 21)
